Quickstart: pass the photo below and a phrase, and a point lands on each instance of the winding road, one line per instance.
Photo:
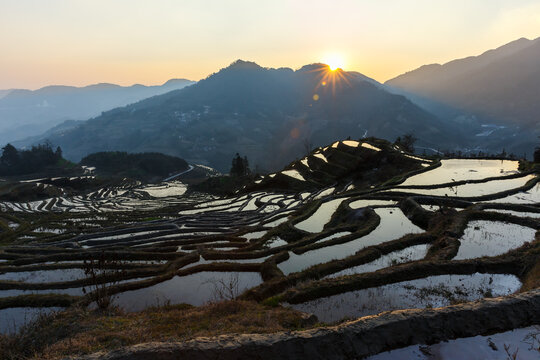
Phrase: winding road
(191, 167)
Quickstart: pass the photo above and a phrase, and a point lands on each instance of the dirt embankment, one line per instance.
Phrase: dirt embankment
(352, 340)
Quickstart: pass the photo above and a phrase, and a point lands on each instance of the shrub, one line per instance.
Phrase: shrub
(105, 267)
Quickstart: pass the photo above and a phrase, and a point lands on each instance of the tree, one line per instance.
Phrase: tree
(237, 166)
(58, 153)
(406, 142)
(10, 156)
(537, 155)
(38, 158)
(104, 273)
(245, 164)
(240, 166)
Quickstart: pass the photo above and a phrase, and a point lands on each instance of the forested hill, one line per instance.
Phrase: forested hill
(145, 166)
(271, 115)
(499, 85)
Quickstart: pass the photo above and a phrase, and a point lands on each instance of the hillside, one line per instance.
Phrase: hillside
(271, 115)
(26, 113)
(4, 93)
(500, 85)
(145, 166)
(349, 164)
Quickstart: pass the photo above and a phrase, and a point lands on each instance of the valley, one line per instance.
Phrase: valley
(336, 181)
(360, 234)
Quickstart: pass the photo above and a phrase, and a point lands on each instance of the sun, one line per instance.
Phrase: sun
(334, 61)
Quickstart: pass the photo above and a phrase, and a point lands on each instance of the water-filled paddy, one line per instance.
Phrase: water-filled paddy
(463, 169)
(316, 222)
(275, 221)
(256, 213)
(333, 236)
(13, 318)
(433, 291)
(524, 341)
(412, 253)
(74, 291)
(275, 242)
(535, 215)
(254, 235)
(294, 174)
(77, 291)
(531, 196)
(473, 190)
(365, 203)
(492, 238)
(165, 190)
(324, 193)
(44, 276)
(393, 225)
(194, 289)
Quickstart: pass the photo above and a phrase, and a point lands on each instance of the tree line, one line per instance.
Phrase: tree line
(36, 159)
(140, 166)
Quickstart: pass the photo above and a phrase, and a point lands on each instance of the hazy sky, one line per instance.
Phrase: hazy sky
(77, 42)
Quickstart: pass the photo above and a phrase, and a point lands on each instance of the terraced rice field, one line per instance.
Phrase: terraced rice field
(336, 251)
(523, 341)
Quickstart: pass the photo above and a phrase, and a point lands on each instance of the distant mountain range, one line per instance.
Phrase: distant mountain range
(25, 113)
(483, 103)
(270, 115)
(499, 86)
(4, 93)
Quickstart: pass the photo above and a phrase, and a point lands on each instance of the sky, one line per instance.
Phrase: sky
(75, 42)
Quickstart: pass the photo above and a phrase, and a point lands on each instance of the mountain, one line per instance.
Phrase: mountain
(499, 86)
(25, 113)
(270, 115)
(4, 93)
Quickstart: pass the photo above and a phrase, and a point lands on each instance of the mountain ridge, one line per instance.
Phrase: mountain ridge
(269, 114)
(94, 86)
(26, 113)
(497, 85)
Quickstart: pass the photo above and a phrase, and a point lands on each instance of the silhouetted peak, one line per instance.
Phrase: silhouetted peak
(101, 86)
(237, 68)
(520, 40)
(314, 67)
(242, 64)
(173, 82)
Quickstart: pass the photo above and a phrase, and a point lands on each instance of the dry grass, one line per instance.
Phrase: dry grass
(81, 331)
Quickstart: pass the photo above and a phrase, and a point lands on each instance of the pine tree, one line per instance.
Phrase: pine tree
(240, 166)
(245, 165)
(237, 167)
